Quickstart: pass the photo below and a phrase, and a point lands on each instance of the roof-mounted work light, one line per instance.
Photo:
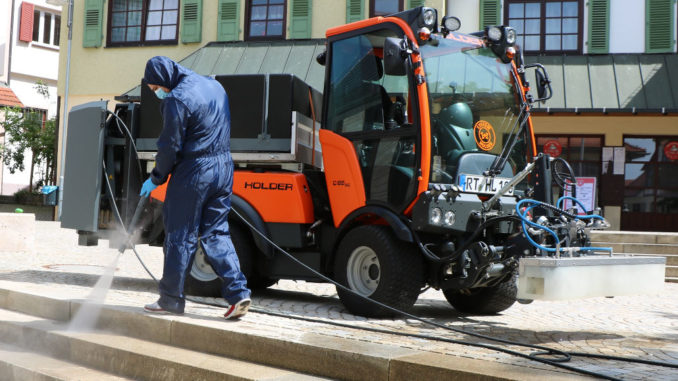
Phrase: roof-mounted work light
(428, 18)
(501, 39)
(450, 24)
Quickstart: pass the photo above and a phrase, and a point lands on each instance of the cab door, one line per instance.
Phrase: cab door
(369, 109)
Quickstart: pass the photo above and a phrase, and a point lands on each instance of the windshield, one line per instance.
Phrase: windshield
(474, 107)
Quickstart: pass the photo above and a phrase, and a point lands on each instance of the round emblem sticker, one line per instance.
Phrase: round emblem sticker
(553, 148)
(483, 132)
(671, 150)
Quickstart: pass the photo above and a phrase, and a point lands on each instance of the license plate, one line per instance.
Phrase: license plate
(483, 184)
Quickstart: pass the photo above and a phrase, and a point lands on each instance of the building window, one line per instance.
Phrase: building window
(385, 7)
(46, 27)
(651, 175)
(142, 22)
(266, 19)
(583, 152)
(547, 26)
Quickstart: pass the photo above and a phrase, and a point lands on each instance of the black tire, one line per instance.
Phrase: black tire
(196, 283)
(484, 300)
(398, 275)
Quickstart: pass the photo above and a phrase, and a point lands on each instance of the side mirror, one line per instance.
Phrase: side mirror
(394, 56)
(543, 82)
(321, 58)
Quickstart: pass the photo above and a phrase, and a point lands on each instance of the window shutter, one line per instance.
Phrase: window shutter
(490, 11)
(93, 35)
(354, 10)
(191, 19)
(659, 19)
(228, 23)
(26, 31)
(301, 19)
(415, 3)
(599, 26)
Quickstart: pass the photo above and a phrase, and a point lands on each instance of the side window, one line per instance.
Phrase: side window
(362, 98)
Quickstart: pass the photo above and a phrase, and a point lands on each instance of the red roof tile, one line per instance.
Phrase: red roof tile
(8, 98)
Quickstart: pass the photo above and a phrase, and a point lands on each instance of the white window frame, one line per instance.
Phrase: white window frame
(41, 29)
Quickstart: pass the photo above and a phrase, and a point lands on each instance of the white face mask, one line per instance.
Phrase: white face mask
(160, 93)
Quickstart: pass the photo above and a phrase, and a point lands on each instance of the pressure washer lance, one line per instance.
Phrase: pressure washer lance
(133, 225)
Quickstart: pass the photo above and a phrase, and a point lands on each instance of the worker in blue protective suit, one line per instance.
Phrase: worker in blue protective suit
(194, 147)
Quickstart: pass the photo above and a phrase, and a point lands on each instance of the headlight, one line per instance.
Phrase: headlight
(494, 33)
(429, 18)
(436, 216)
(449, 218)
(510, 36)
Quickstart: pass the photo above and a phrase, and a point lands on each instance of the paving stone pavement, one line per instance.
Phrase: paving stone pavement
(643, 327)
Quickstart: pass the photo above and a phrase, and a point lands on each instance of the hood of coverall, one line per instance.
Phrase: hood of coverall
(162, 71)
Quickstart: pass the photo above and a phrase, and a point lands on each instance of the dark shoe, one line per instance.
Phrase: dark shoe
(155, 308)
(238, 310)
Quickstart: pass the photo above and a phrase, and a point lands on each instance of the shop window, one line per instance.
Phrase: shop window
(547, 26)
(266, 19)
(651, 175)
(142, 22)
(582, 152)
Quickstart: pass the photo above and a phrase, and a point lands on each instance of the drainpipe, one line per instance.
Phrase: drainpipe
(65, 114)
(11, 43)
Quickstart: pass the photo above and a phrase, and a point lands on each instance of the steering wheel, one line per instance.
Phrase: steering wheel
(563, 175)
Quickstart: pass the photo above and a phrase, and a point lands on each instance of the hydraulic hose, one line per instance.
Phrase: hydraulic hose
(525, 221)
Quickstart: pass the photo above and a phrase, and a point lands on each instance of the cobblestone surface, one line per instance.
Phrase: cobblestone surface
(644, 327)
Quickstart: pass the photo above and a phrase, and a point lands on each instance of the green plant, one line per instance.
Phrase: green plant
(27, 197)
(24, 132)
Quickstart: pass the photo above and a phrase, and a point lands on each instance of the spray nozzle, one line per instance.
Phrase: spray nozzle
(132, 225)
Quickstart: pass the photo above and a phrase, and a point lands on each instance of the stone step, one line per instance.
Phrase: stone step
(640, 248)
(128, 356)
(303, 352)
(18, 364)
(671, 260)
(671, 271)
(634, 237)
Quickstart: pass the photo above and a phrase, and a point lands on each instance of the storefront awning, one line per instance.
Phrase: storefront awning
(296, 57)
(619, 83)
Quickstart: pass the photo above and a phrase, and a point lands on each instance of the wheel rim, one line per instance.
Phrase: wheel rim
(201, 269)
(363, 270)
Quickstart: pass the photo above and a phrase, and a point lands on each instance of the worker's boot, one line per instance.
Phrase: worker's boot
(239, 309)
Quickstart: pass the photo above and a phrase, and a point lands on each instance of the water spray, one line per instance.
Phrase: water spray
(88, 313)
(129, 232)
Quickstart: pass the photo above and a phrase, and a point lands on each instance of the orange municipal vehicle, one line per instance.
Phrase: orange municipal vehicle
(417, 167)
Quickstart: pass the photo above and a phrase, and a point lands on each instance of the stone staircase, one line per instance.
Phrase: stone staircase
(35, 345)
(42, 349)
(642, 244)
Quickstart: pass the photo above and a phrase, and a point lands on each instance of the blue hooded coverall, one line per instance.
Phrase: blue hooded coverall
(194, 147)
